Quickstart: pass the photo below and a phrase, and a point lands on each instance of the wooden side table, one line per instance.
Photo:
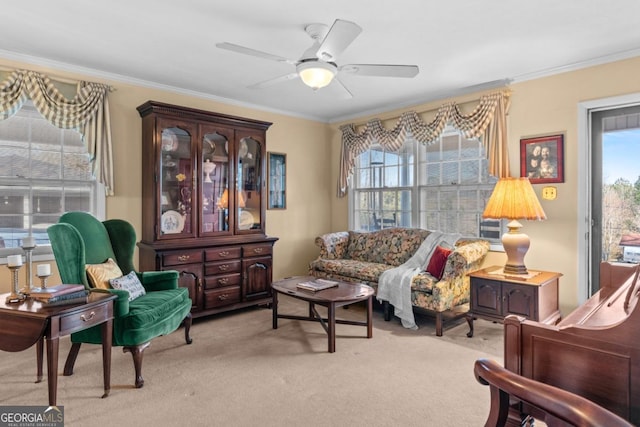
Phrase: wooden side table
(494, 296)
(27, 323)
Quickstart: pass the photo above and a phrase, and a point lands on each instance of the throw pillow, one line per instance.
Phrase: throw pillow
(438, 261)
(100, 274)
(129, 283)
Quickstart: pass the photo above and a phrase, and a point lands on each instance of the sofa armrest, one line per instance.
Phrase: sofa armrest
(467, 256)
(333, 245)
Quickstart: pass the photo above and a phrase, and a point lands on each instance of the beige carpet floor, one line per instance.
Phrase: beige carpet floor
(241, 372)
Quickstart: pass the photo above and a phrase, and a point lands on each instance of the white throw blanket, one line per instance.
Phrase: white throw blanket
(394, 285)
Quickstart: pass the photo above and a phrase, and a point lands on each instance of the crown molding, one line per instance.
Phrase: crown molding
(619, 56)
(90, 72)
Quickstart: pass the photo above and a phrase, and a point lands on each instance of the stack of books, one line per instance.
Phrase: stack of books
(59, 295)
(317, 285)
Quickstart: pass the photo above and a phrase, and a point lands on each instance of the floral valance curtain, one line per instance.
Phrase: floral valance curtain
(487, 121)
(88, 112)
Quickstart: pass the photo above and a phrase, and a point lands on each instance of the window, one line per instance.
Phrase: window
(383, 188)
(44, 172)
(443, 186)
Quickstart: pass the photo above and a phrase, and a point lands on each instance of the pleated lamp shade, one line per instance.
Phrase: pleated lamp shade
(514, 199)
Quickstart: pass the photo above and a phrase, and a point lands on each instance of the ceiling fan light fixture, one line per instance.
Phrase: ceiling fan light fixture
(316, 74)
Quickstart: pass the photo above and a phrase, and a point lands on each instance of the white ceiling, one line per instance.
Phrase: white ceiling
(459, 45)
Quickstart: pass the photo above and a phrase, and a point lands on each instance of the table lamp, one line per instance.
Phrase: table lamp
(514, 199)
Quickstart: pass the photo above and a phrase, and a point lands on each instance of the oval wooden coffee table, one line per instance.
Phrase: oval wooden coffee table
(342, 295)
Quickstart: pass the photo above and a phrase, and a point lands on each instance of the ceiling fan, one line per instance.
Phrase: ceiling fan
(317, 66)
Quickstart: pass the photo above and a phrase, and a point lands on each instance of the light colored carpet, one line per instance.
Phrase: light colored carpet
(241, 372)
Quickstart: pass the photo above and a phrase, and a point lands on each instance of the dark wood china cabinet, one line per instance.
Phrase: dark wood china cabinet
(203, 205)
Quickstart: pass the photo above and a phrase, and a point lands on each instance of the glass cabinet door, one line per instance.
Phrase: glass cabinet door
(248, 181)
(176, 181)
(214, 183)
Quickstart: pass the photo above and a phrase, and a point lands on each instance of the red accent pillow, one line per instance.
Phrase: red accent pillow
(438, 261)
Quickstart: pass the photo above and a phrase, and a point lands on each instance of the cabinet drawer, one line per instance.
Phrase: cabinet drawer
(184, 257)
(256, 250)
(84, 319)
(221, 297)
(222, 267)
(217, 254)
(211, 282)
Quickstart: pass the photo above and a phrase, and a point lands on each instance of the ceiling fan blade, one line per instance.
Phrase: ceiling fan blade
(344, 92)
(340, 35)
(380, 70)
(274, 81)
(252, 52)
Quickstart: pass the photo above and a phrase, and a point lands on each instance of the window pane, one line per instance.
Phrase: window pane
(448, 200)
(469, 171)
(49, 202)
(14, 160)
(470, 149)
(44, 172)
(468, 200)
(433, 173)
(450, 173)
(377, 156)
(431, 218)
(451, 191)
(14, 129)
(77, 202)
(433, 152)
(391, 176)
(450, 147)
(468, 224)
(389, 200)
(77, 166)
(429, 199)
(45, 164)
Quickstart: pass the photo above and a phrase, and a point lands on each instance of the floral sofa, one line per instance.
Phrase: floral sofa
(363, 256)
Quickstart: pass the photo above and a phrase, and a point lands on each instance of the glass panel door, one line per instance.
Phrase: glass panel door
(176, 182)
(615, 195)
(214, 194)
(249, 185)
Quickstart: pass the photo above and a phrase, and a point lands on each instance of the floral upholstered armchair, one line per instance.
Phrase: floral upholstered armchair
(362, 256)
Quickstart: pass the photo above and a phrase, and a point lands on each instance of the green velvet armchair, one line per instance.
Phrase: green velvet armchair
(79, 239)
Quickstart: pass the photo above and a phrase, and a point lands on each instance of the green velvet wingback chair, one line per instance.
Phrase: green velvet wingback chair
(79, 239)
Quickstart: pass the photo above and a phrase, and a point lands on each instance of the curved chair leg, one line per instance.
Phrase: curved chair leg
(136, 352)
(71, 358)
(187, 327)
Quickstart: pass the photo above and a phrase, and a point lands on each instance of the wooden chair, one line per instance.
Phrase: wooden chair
(558, 407)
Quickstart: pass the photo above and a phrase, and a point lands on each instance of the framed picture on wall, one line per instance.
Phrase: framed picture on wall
(542, 159)
(277, 184)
